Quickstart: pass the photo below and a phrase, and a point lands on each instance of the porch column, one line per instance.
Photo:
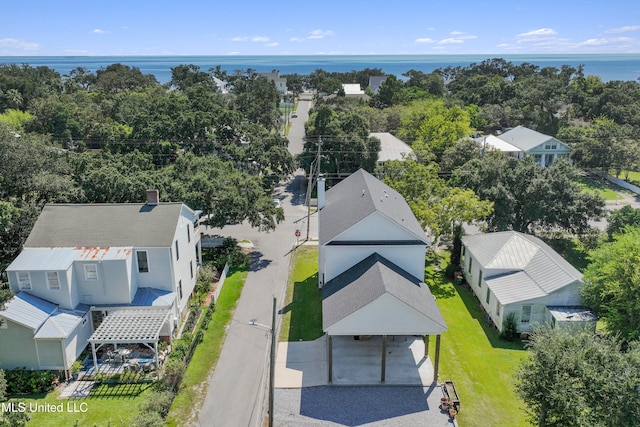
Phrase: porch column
(330, 358)
(384, 358)
(95, 358)
(200, 250)
(426, 338)
(436, 366)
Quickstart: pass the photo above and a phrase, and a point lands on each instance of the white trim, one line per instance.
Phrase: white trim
(91, 275)
(54, 284)
(20, 282)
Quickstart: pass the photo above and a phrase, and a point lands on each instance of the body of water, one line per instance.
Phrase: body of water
(607, 66)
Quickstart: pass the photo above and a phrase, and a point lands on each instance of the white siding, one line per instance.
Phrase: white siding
(338, 259)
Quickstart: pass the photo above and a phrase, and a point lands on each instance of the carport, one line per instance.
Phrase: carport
(377, 298)
(130, 326)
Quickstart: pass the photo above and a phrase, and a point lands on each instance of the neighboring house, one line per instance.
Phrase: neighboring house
(391, 148)
(512, 272)
(371, 263)
(280, 82)
(522, 142)
(375, 82)
(222, 85)
(353, 90)
(83, 263)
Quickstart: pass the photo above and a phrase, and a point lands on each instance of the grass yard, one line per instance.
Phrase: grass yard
(472, 354)
(194, 384)
(606, 190)
(632, 177)
(98, 407)
(302, 314)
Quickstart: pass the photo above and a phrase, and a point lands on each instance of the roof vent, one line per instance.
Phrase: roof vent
(153, 197)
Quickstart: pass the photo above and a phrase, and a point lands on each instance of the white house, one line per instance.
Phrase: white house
(280, 82)
(85, 265)
(512, 272)
(371, 258)
(523, 142)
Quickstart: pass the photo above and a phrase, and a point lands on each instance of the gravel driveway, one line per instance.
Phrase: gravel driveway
(391, 406)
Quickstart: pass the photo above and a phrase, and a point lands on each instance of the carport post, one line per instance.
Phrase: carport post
(384, 358)
(425, 338)
(437, 362)
(330, 364)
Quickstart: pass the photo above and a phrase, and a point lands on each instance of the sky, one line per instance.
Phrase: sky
(329, 27)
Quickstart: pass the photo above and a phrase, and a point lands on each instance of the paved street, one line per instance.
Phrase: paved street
(236, 389)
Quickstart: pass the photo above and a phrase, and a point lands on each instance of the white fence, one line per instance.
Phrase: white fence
(223, 276)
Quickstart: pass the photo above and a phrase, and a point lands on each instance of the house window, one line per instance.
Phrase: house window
(180, 289)
(498, 308)
(191, 268)
(470, 262)
(143, 264)
(525, 317)
(537, 158)
(177, 251)
(24, 281)
(3, 324)
(52, 280)
(480, 280)
(189, 233)
(488, 295)
(91, 272)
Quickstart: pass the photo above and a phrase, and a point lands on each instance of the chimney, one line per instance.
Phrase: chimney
(320, 192)
(153, 197)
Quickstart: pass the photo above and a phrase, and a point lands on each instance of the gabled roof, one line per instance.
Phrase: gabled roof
(367, 281)
(151, 297)
(497, 144)
(352, 89)
(28, 310)
(529, 268)
(357, 197)
(46, 319)
(106, 225)
(391, 148)
(52, 259)
(525, 138)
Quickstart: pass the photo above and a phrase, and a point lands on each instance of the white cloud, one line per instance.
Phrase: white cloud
(450, 41)
(98, 31)
(260, 39)
(296, 39)
(456, 33)
(18, 44)
(240, 39)
(424, 40)
(273, 44)
(255, 39)
(541, 32)
(625, 29)
(320, 34)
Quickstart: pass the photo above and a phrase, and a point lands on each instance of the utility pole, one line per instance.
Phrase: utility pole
(312, 182)
(272, 361)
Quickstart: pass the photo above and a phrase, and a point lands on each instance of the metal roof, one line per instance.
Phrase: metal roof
(106, 225)
(62, 323)
(51, 259)
(391, 148)
(28, 310)
(370, 279)
(535, 268)
(497, 143)
(357, 197)
(572, 314)
(150, 297)
(131, 325)
(525, 138)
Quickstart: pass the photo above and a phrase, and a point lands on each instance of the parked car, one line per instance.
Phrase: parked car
(277, 203)
(294, 115)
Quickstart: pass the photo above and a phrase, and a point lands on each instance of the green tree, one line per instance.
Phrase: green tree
(613, 283)
(619, 219)
(388, 92)
(528, 197)
(576, 378)
(438, 208)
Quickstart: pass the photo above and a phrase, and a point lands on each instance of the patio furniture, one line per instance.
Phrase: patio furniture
(450, 392)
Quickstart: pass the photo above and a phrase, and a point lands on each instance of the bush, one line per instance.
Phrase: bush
(173, 371)
(147, 419)
(510, 328)
(178, 350)
(158, 402)
(22, 381)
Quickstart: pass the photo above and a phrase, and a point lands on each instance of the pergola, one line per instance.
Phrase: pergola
(130, 326)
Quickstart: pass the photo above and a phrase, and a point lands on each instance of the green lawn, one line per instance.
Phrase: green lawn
(632, 177)
(194, 384)
(95, 411)
(606, 190)
(302, 314)
(472, 354)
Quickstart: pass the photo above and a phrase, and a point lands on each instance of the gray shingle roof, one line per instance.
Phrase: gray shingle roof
(391, 148)
(525, 138)
(357, 197)
(536, 269)
(368, 280)
(105, 225)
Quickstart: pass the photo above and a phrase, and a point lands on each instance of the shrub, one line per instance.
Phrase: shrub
(147, 419)
(510, 327)
(158, 402)
(173, 370)
(178, 350)
(22, 381)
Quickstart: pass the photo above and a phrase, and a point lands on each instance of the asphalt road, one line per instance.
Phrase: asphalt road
(236, 390)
